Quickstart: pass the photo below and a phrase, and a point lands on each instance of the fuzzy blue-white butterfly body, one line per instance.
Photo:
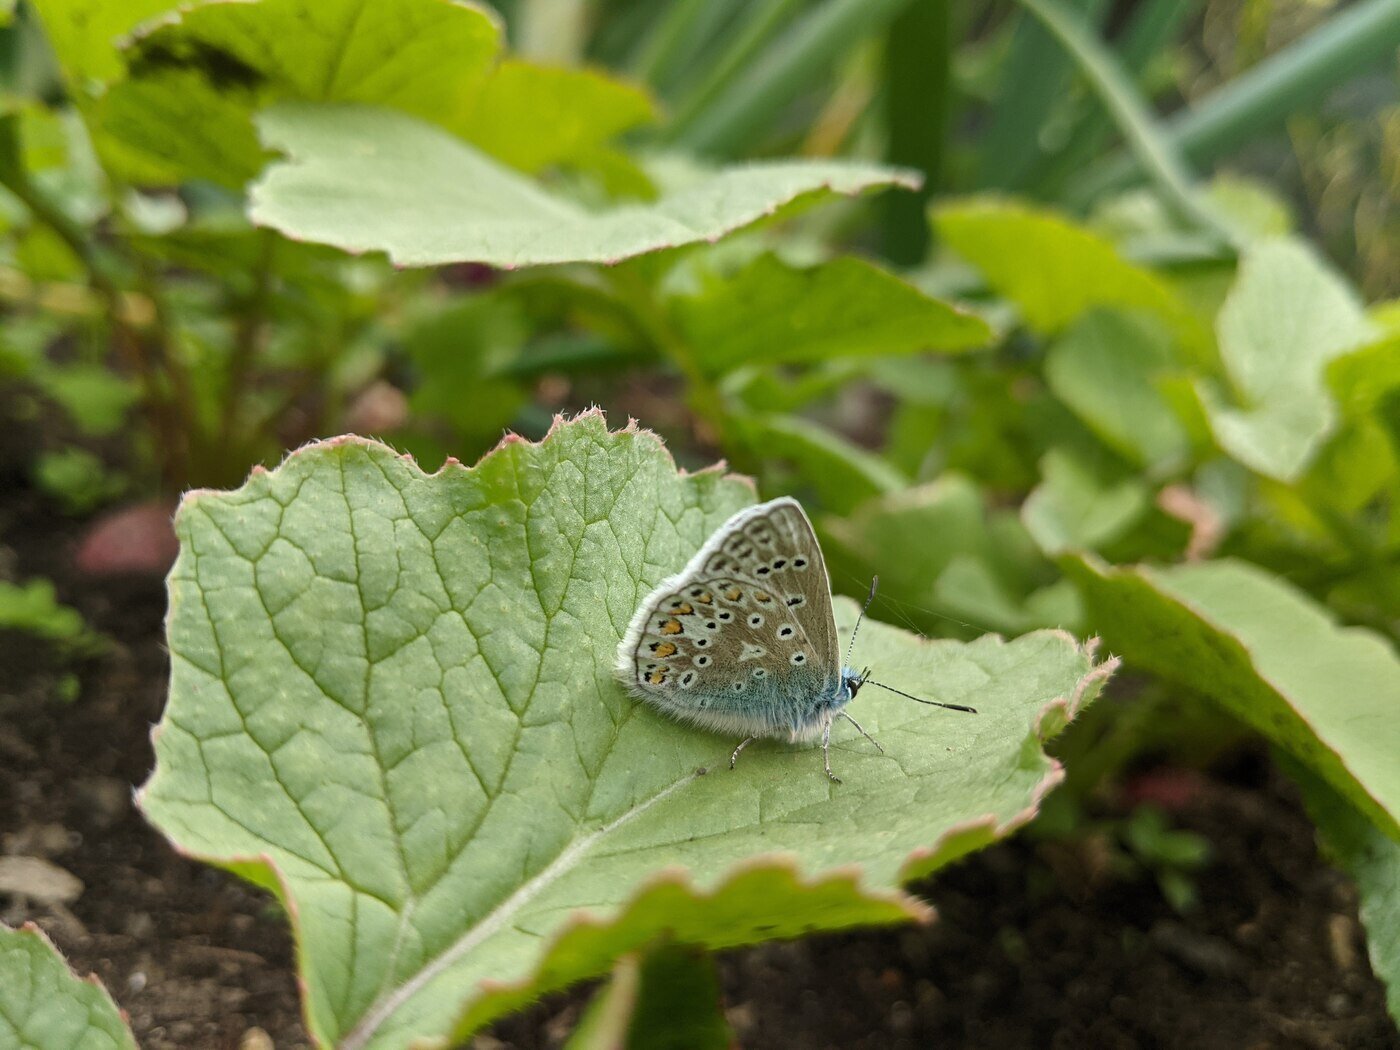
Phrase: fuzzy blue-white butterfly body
(743, 639)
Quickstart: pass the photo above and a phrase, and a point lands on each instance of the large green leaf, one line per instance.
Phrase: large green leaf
(1328, 695)
(187, 109)
(1287, 316)
(1054, 270)
(770, 312)
(392, 702)
(372, 180)
(44, 1007)
(425, 57)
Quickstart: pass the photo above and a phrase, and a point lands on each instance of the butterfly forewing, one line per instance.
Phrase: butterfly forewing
(774, 545)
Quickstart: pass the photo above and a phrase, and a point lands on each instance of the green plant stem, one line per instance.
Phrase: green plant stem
(1355, 39)
(1151, 27)
(146, 350)
(1154, 151)
(794, 61)
(247, 339)
(185, 432)
(656, 327)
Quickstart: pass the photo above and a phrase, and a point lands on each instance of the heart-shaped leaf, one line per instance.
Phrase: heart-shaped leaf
(44, 1007)
(1286, 318)
(392, 702)
(373, 180)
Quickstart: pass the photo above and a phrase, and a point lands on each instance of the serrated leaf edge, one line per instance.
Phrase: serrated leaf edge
(452, 463)
(879, 177)
(682, 878)
(923, 860)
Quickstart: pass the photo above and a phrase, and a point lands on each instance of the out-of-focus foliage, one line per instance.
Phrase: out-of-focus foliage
(1120, 292)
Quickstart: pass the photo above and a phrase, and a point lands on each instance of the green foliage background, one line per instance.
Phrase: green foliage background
(990, 290)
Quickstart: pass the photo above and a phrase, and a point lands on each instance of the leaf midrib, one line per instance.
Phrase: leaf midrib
(494, 920)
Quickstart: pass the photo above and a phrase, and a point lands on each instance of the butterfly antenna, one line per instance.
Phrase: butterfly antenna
(874, 583)
(917, 700)
(865, 675)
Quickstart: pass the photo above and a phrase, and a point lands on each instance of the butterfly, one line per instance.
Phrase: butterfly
(743, 639)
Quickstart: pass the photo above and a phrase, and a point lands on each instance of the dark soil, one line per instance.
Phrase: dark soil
(1031, 949)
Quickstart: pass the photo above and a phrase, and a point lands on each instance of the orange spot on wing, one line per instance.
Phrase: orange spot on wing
(671, 627)
(663, 649)
(657, 677)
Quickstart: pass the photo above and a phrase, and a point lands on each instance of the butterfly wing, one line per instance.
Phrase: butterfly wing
(732, 650)
(775, 545)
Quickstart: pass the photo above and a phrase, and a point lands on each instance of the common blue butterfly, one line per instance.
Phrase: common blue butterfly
(743, 639)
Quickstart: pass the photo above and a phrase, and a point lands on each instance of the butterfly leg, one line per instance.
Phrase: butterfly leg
(735, 757)
(826, 752)
(861, 730)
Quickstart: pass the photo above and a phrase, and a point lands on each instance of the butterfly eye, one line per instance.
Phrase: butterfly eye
(799, 563)
(759, 672)
(796, 600)
(738, 687)
(778, 563)
(702, 661)
(688, 679)
(711, 624)
(764, 570)
(700, 643)
(799, 658)
(785, 632)
(755, 620)
(726, 616)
